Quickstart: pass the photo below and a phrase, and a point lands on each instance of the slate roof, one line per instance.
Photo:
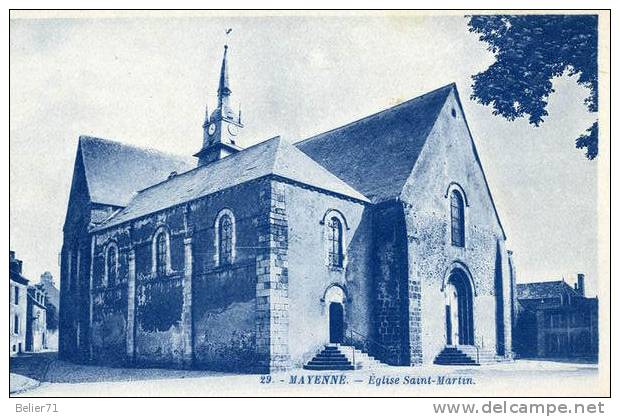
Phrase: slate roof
(548, 289)
(53, 294)
(116, 171)
(271, 157)
(376, 154)
(17, 277)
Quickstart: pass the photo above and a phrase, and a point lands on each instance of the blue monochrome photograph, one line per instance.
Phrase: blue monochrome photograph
(393, 204)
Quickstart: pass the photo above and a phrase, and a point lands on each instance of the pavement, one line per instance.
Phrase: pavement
(19, 383)
(55, 378)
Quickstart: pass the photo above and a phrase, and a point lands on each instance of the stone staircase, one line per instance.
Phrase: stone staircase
(336, 357)
(361, 360)
(466, 355)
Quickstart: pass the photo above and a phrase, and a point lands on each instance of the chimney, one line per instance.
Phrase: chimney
(15, 264)
(580, 286)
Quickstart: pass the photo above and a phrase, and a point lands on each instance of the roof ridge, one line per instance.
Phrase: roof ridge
(386, 110)
(133, 146)
(199, 167)
(557, 281)
(316, 164)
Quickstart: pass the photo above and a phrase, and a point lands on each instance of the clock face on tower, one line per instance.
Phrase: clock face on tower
(212, 128)
(233, 130)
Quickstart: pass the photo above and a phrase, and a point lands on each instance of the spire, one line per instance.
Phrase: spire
(220, 128)
(206, 123)
(223, 90)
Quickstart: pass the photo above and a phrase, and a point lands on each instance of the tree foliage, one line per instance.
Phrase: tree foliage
(530, 51)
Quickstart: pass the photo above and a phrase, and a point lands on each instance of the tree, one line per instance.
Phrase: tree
(531, 50)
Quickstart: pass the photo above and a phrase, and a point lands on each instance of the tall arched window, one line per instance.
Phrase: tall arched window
(111, 267)
(334, 239)
(457, 217)
(225, 240)
(161, 254)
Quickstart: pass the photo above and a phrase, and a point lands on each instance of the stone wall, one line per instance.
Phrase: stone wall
(272, 284)
(448, 161)
(74, 305)
(224, 296)
(309, 274)
(391, 286)
(36, 325)
(199, 314)
(17, 307)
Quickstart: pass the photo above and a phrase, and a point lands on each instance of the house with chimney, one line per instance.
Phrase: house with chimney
(555, 320)
(27, 311)
(18, 286)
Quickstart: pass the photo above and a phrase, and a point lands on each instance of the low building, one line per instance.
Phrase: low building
(28, 313)
(556, 320)
(52, 300)
(36, 319)
(18, 286)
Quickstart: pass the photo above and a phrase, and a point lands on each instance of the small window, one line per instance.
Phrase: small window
(16, 295)
(112, 265)
(161, 256)
(335, 242)
(225, 240)
(16, 324)
(457, 216)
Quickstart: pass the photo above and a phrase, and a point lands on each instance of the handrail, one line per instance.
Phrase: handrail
(366, 339)
(477, 346)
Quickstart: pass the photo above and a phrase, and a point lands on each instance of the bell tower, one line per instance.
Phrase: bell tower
(222, 127)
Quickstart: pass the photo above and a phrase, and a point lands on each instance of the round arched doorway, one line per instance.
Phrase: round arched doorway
(459, 309)
(334, 300)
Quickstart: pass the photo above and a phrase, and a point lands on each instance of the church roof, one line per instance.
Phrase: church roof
(271, 157)
(376, 154)
(548, 289)
(115, 171)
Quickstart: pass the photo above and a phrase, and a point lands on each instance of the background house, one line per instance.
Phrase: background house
(27, 312)
(52, 301)
(17, 301)
(556, 320)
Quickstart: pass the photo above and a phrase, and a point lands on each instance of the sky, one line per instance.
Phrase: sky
(145, 81)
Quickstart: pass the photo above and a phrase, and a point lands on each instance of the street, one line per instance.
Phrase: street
(523, 377)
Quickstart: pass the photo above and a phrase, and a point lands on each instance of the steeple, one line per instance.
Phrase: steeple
(223, 90)
(220, 129)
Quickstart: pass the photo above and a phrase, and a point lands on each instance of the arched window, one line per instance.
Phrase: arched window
(334, 240)
(161, 254)
(111, 265)
(457, 218)
(225, 239)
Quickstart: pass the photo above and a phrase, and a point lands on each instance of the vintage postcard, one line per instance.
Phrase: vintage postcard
(290, 203)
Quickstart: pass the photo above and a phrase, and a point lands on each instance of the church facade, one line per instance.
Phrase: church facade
(381, 234)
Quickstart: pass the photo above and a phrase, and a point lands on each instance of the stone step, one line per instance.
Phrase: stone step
(325, 360)
(331, 355)
(362, 359)
(465, 355)
(338, 357)
(314, 367)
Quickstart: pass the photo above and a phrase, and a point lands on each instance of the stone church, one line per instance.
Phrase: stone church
(380, 235)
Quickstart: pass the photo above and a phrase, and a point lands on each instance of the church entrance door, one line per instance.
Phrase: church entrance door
(336, 323)
(459, 310)
(452, 315)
